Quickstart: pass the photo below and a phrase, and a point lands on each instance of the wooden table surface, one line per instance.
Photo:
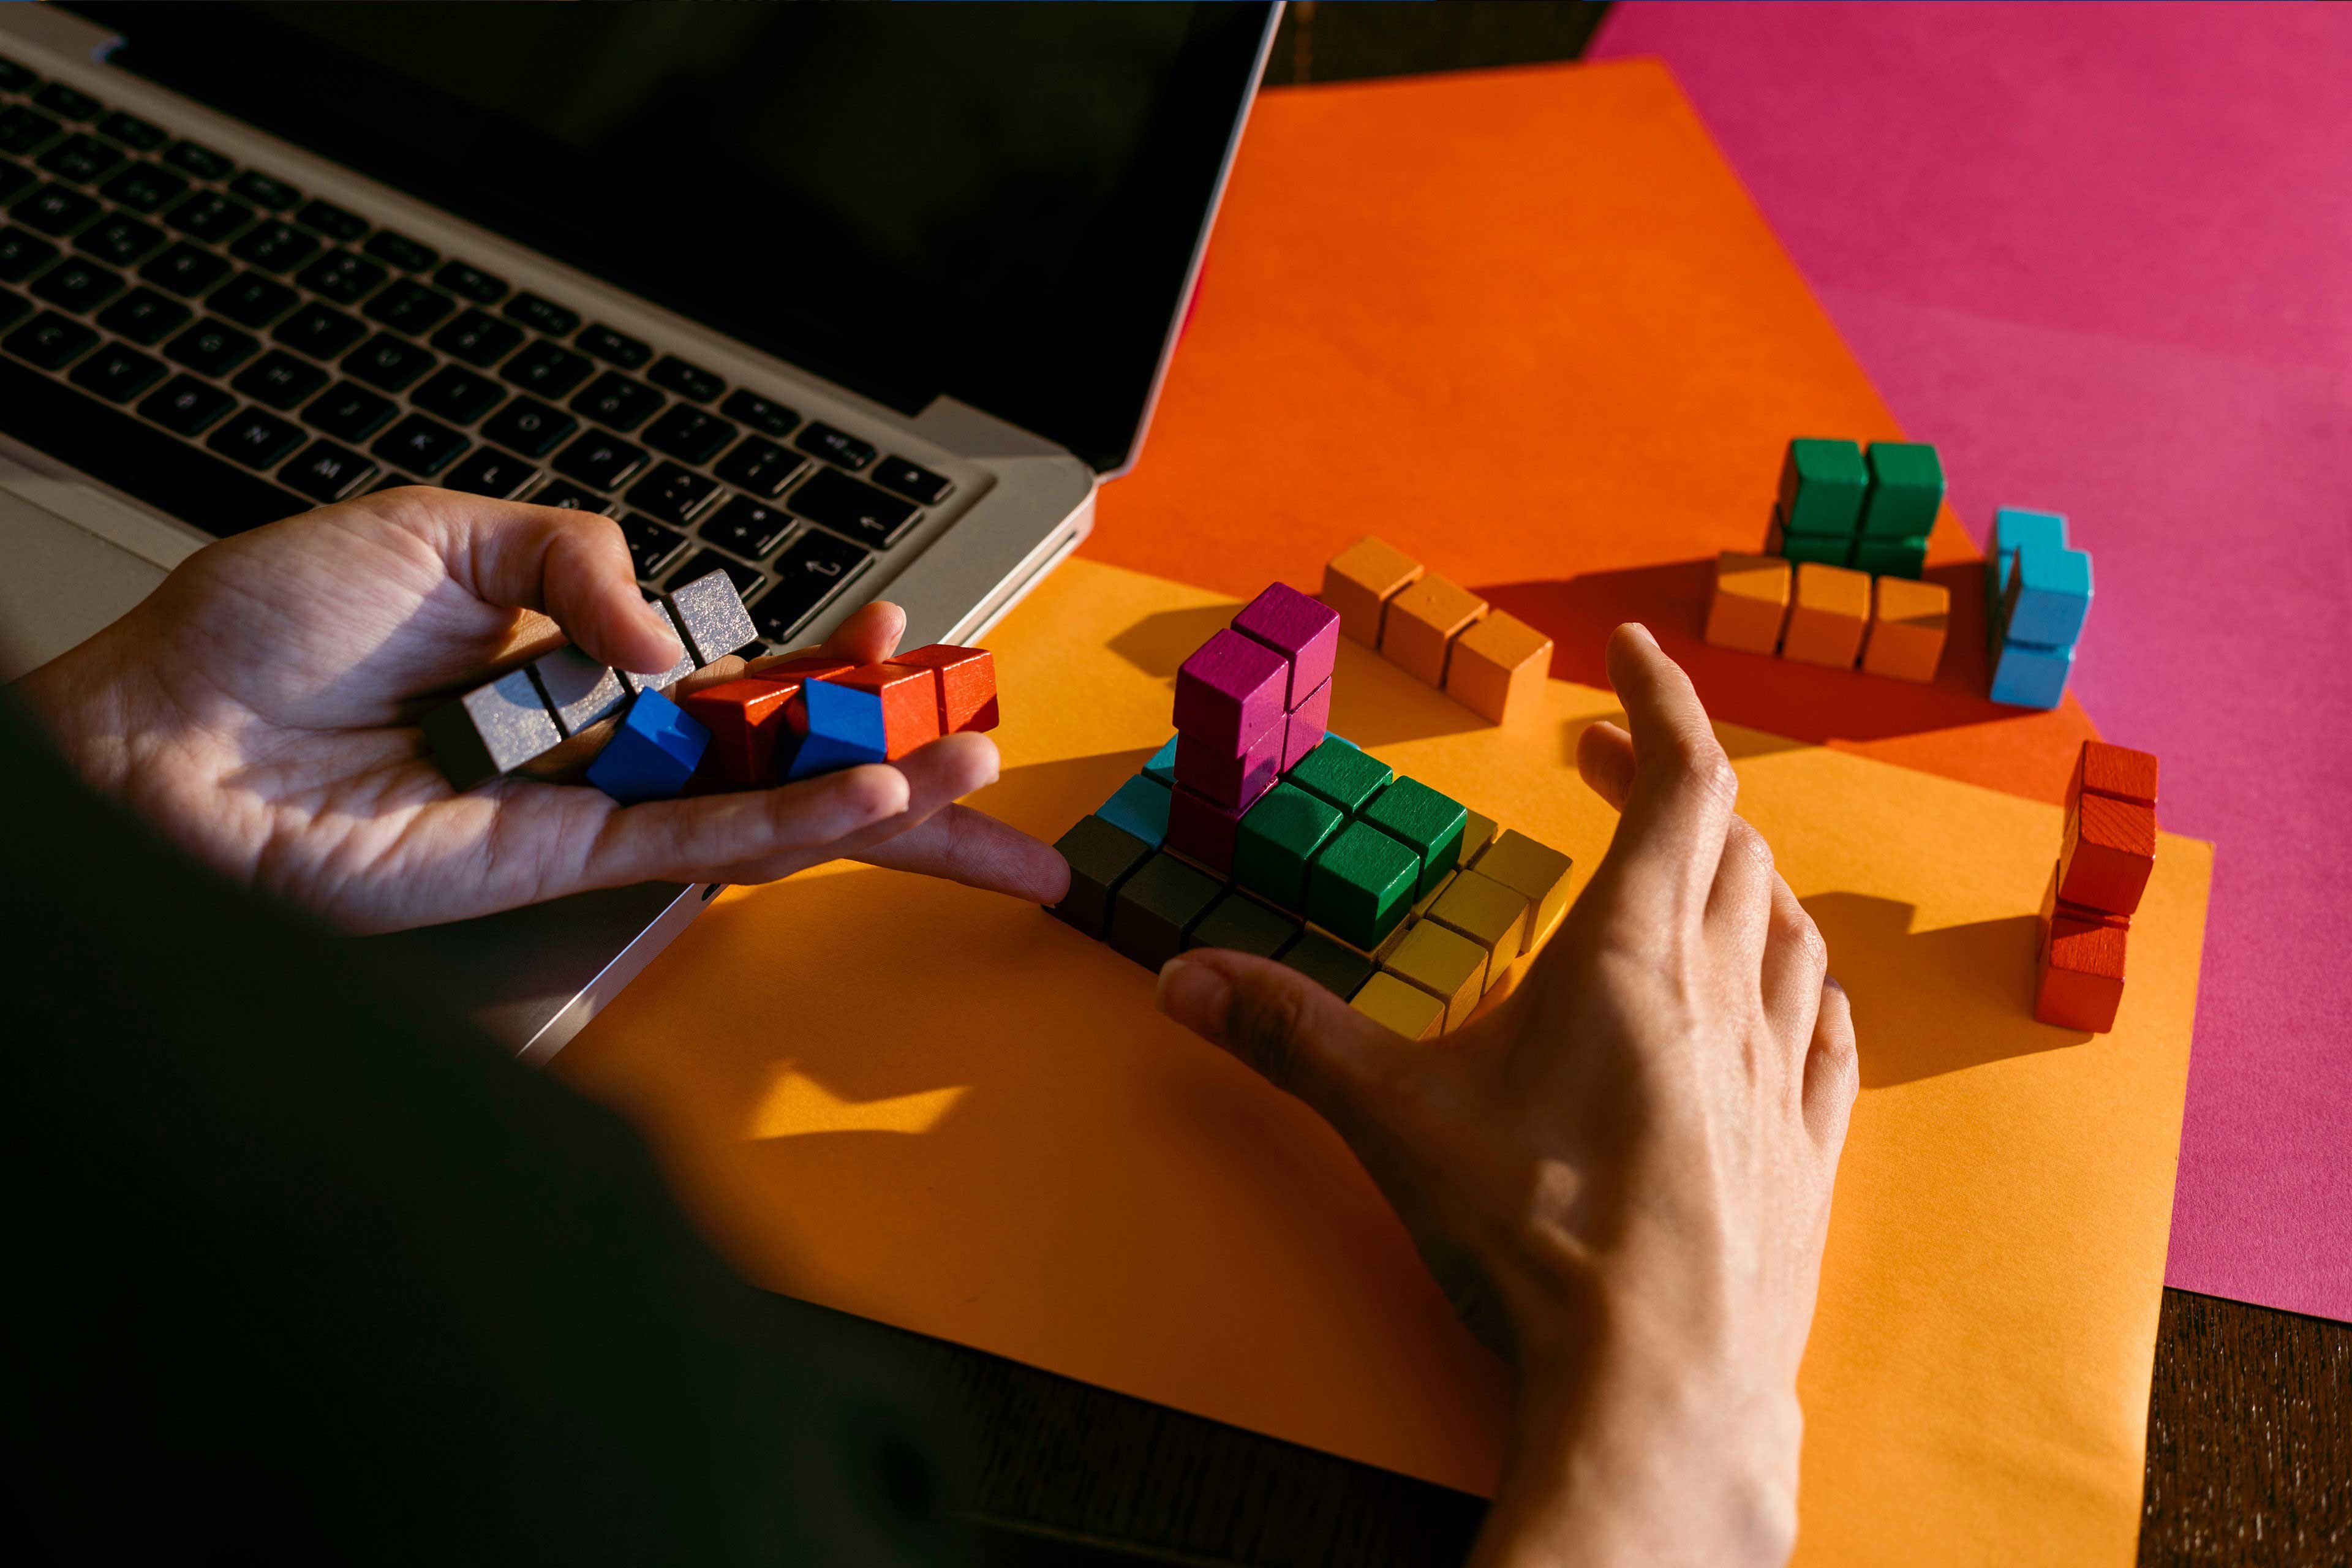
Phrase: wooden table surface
(2250, 1421)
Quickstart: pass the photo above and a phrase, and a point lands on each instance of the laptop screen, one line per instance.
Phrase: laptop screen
(999, 203)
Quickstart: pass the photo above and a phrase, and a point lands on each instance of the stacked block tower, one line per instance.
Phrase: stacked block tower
(2103, 869)
(2037, 595)
(1489, 660)
(1255, 828)
(1872, 510)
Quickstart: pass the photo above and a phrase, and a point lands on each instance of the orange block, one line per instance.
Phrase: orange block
(2053, 906)
(745, 719)
(2109, 851)
(910, 703)
(1359, 582)
(1423, 622)
(1750, 602)
(2080, 980)
(1908, 622)
(2115, 771)
(1498, 667)
(1831, 614)
(966, 684)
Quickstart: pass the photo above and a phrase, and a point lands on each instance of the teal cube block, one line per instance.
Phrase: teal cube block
(2048, 594)
(1424, 821)
(1279, 840)
(1340, 772)
(2025, 676)
(1162, 766)
(2013, 528)
(1822, 484)
(1907, 486)
(1141, 806)
(1362, 884)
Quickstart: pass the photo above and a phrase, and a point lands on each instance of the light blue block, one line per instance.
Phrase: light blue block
(2013, 528)
(1141, 806)
(652, 753)
(1162, 766)
(845, 729)
(2025, 676)
(2048, 593)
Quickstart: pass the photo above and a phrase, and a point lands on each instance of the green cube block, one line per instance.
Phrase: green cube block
(1891, 557)
(1335, 966)
(1157, 908)
(1338, 772)
(1426, 822)
(1277, 842)
(1241, 923)
(1907, 486)
(1101, 856)
(1362, 884)
(1827, 549)
(1822, 486)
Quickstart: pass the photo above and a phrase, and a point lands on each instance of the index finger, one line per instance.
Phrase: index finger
(1678, 809)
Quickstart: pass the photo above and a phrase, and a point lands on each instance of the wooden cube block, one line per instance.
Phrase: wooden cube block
(1162, 766)
(491, 730)
(1340, 772)
(1488, 913)
(873, 714)
(1409, 1010)
(2025, 676)
(1828, 549)
(1831, 612)
(1241, 924)
(1750, 603)
(1229, 691)
(1498, 667)
(654, 751)
(710, 614)
(577, 689)
(1279, 840)
(1534, 871)
(1101, 856)
(2047, 595)
(1907, 487)
(2109, 851)
(1424, 821)
(637, 681)
(2013, 528)
(1332, 965)
(1891, 557)
(1823, 483)
(1358, 583)
(1140, 806)
(1203, 829)
(1424, 621)
(2079, 981)
(966, 684)
(746, 720)
(1228, 778)
(2053, 906)
(1907, 623)
(1477, 832)
(1446, 964)
(1304, 726)
(1305, 632)
(1362, 884)
(1156, 908)
(2117, 771)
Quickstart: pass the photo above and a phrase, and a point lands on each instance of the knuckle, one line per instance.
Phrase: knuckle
(1267, 1027)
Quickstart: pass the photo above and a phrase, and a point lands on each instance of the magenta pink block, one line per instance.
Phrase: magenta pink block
(1230, 780)
(1203, 829)
(1229, 691)
(1304, 726)
(1304, 631)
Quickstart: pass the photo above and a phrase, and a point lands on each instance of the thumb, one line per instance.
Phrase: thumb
(1300, 1037)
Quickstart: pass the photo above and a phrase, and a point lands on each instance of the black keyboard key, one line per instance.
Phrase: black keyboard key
(118, 374)
(478, 338)
(400, 251)
(134, 131)
(457, 394)
(319, 331)
(546, 315)
(530, 426)
(747, 579)
(614, 348)
(251, 299)
(13, 178)
(263, 191)
(212, 348)
(760, 467)
(70, 101)
(257, 440)
(145, 317)
(822, 440)
(689, 433)
(410, 307)
(186, 406)
(651, 546)
(210, 216)
(613, 399)
(747, 527)
(52, 209)
(120, 240)
(902, 477)
(486, 472)
(277, 245)
(15, 77)
(143, 188)
(675, 375)
(81, 158)
(327, 472)
(423, 447)
(475, 284)
(572, 498)
(13, 306)
(335, 223)
(279, 380)
(350, 412)
(387, 362)
(832, 500)
(184, 270)
(599, 460)
(342, 277)
(811, 570)
(51, 340)
(22, 129)
(672, 494)
(548, 369)
(23, 253)
(77, 285)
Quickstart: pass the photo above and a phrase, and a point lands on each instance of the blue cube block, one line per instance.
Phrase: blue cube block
(652, 753)
(845, 729)
(2048, 593)
(2025, 676)
(2013, 528)
(1162, 766)
(1140, 806)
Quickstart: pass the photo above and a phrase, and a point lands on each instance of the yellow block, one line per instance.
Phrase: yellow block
(1488, 913)
(1409, 1010)
(1446, 964)
(1536, 872)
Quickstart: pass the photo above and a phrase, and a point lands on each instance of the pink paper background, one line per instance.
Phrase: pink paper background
(2102, 256)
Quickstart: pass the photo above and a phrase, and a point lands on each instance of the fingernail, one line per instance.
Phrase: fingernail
(1833, 982)
(1195, 995)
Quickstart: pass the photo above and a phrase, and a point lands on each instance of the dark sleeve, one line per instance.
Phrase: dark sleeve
(300, 1272)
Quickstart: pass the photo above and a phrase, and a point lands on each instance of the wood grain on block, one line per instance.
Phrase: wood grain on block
(1829, 611)
(1358, 583)
(966, 684)
(2115, 771)
(2080, 980)
(1396, 1005)
(2109, 851)
(1229, 691)
(1908, 620)
(910, 697)
(1498, 667)
(1231, 778)
(746, 719)
(1305, 725)
(1749, 603)
(1303, 631)
(2053, 906)
(1443, 962)
(1423, 623)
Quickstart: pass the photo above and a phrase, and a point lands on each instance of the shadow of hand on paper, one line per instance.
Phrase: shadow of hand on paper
(1932, 1001)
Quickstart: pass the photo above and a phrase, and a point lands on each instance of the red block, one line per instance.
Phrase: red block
(1202, 828)
(2109, 851)
(1231, 780)
(967, 684)
(746, 719)
(2053, 906)
(910, 703)
(2117, 771)
(2081, 974)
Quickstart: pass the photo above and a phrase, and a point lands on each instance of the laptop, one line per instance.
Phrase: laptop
(845, 300)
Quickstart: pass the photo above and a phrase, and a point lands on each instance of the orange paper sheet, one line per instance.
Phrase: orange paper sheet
(950, 1112)
(1527, 325)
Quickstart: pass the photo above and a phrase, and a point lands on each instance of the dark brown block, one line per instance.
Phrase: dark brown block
(1157, 908)
(1101, 856)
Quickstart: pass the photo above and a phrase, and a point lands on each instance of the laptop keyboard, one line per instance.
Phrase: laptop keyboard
(231, 349)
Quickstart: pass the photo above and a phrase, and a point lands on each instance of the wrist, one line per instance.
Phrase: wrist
(79, 700)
